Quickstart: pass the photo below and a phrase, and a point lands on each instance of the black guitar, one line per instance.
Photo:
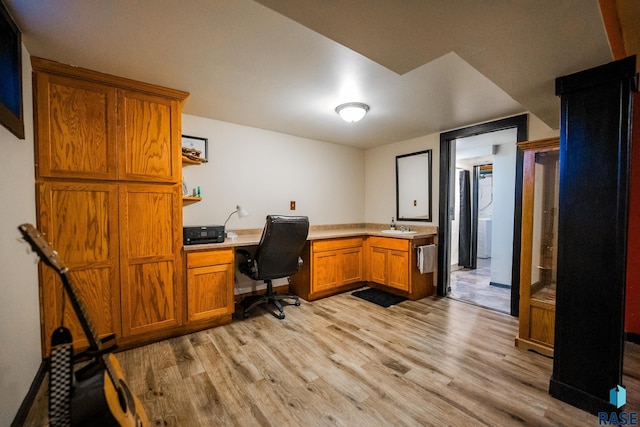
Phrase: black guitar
(100, 396)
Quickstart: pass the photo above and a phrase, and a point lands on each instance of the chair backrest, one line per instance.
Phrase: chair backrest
(282, 241)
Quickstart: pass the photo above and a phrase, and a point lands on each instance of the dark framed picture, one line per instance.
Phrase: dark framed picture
(10, 74)
(195, 146)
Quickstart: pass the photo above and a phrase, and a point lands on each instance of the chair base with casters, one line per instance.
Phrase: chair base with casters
(277, 256)
(269, 298)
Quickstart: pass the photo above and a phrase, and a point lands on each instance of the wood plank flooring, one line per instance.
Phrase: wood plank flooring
(346, 362)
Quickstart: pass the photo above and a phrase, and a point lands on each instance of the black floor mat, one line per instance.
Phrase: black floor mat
(376, 296)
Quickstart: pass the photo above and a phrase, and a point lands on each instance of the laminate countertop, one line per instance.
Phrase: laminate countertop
(252, 237)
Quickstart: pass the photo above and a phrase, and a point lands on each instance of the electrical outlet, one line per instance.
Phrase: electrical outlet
(292, 205)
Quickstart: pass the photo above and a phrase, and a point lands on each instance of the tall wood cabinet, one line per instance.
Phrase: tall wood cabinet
(539, 245)
(108, 173)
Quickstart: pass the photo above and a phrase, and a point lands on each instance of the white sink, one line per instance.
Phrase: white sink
(399, 232)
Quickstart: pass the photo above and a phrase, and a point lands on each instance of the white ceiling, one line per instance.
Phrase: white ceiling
(424, 66)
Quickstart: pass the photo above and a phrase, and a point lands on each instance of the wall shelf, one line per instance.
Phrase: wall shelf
(188, 162)
(187, 200)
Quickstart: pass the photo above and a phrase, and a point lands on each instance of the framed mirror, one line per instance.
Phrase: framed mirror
(413, 186)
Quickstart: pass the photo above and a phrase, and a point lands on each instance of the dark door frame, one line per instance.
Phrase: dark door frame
(444, 224)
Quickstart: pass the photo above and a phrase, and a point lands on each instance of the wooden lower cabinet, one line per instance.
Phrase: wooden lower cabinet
(121, 243)
(393, 264)
(336, 263)
(150, 262)
(209, 284)
(389, 262)
(80, 221)
(330, 266)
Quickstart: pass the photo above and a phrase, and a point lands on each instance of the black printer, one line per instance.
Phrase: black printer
(200, 235)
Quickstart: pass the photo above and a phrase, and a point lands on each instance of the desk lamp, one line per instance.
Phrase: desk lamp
(242, 213)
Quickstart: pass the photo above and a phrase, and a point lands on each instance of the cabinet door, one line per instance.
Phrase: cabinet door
(351, 265)
(80, 223)
(76, 128)
(398, 269)
(151, 268)
(542, 323)
(378, 265)
(149, 138)
(209, 284)
(325, 271)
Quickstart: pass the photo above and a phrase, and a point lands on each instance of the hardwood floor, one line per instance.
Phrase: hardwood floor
(345, 361)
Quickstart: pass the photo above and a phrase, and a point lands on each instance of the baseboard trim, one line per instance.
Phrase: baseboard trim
(499, 285)
(27, 403)
(579, 398)
(633, 337)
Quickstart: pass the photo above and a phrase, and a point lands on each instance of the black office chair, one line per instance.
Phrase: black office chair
(277, 256)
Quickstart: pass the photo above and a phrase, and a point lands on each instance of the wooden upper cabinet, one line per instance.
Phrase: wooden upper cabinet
(76, 128)
(92, 125)
(149, 139)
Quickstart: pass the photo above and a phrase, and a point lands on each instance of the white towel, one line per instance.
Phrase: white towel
(426, 258)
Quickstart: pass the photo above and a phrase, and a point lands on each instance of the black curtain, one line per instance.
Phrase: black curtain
(464, 236)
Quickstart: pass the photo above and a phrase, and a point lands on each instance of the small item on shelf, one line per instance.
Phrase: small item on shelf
(193, 154)
(198, 192)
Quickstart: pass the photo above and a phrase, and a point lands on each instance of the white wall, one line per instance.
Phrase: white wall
(504, 178)
(539, 130)
(380, 180)
(263, 171)
(19, 308)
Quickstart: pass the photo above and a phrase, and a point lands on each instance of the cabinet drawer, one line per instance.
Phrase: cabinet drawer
(390, 243)
(215, 257)
(333, 244)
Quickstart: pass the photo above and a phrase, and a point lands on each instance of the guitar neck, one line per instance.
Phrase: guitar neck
(81, 312)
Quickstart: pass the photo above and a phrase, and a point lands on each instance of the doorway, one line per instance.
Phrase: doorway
(502, 266)
(481, 257)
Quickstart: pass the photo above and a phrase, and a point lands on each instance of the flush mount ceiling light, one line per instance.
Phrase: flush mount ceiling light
(352, 111)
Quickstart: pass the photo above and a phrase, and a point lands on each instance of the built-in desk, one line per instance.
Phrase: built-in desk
(252, 237)
(337, 259)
